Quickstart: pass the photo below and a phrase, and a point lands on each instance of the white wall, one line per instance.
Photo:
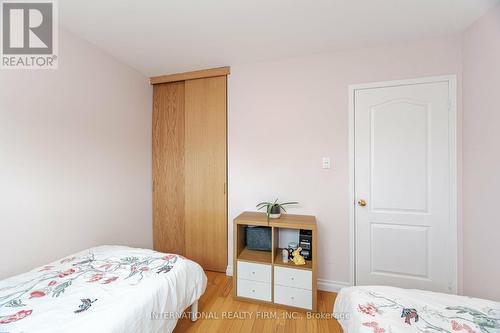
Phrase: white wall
(481, 156)
(75, 157)
(284, 116)
(75, 147)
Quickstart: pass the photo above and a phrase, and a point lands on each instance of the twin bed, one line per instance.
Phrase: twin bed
(102, 289)
(381, 309)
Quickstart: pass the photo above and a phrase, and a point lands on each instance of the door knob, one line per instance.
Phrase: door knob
(362, 203)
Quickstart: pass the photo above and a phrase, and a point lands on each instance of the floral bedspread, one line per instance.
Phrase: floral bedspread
(102, 289)
(382, 309)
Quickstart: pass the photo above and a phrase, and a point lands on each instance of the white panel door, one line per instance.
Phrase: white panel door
(403, 225)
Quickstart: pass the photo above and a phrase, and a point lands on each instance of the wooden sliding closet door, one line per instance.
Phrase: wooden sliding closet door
(168, 167)
(190, 170)
(205, 161)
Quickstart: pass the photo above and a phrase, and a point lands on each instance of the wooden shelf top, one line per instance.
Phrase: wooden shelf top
(291, 221)
(255, 256)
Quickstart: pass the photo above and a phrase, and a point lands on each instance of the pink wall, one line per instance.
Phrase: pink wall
(75, 157)
(284, 116)
(481, 156)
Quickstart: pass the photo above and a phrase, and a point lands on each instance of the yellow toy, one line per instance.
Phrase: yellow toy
(297, 258)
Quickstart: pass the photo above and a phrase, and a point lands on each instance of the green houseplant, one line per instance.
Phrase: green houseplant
(273, 209)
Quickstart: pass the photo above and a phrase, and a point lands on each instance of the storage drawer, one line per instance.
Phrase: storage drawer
(254, 289)
(299, 298)
(254, 272)
(291, 277)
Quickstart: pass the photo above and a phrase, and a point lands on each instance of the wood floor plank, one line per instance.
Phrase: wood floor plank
(252, 317)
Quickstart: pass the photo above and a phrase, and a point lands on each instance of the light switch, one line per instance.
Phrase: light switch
(326, 163)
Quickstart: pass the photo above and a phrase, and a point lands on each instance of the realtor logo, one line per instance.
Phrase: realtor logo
(29, 34)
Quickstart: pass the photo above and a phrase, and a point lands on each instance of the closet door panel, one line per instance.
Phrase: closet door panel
(168, 167)
(205, 172)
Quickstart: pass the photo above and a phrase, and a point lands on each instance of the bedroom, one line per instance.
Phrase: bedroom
(130, 127)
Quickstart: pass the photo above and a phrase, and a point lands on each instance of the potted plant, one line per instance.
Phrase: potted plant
(273, 209)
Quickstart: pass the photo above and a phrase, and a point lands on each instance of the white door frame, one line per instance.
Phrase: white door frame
(452, 120)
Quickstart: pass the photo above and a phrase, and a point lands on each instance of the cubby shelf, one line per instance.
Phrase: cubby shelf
(278, 261)
(263, 257)
(270, 263)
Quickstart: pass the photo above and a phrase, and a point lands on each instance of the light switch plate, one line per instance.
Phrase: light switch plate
(326, 163)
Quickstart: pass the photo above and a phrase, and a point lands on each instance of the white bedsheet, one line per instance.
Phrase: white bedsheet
(379, 309)
(102, 289)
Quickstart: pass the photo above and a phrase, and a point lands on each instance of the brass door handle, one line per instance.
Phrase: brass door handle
(361, 203)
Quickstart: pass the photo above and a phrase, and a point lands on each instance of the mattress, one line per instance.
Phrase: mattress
(380, 309)
(102, 289)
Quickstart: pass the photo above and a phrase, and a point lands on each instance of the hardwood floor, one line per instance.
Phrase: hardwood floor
(217, 302)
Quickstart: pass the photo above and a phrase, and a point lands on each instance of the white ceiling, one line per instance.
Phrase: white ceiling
(166, 36)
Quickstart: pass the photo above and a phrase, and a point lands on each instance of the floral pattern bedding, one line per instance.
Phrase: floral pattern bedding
(102, 289)
(382, 309)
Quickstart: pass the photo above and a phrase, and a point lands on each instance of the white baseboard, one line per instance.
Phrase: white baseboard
(325, 285)
(332, 286)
